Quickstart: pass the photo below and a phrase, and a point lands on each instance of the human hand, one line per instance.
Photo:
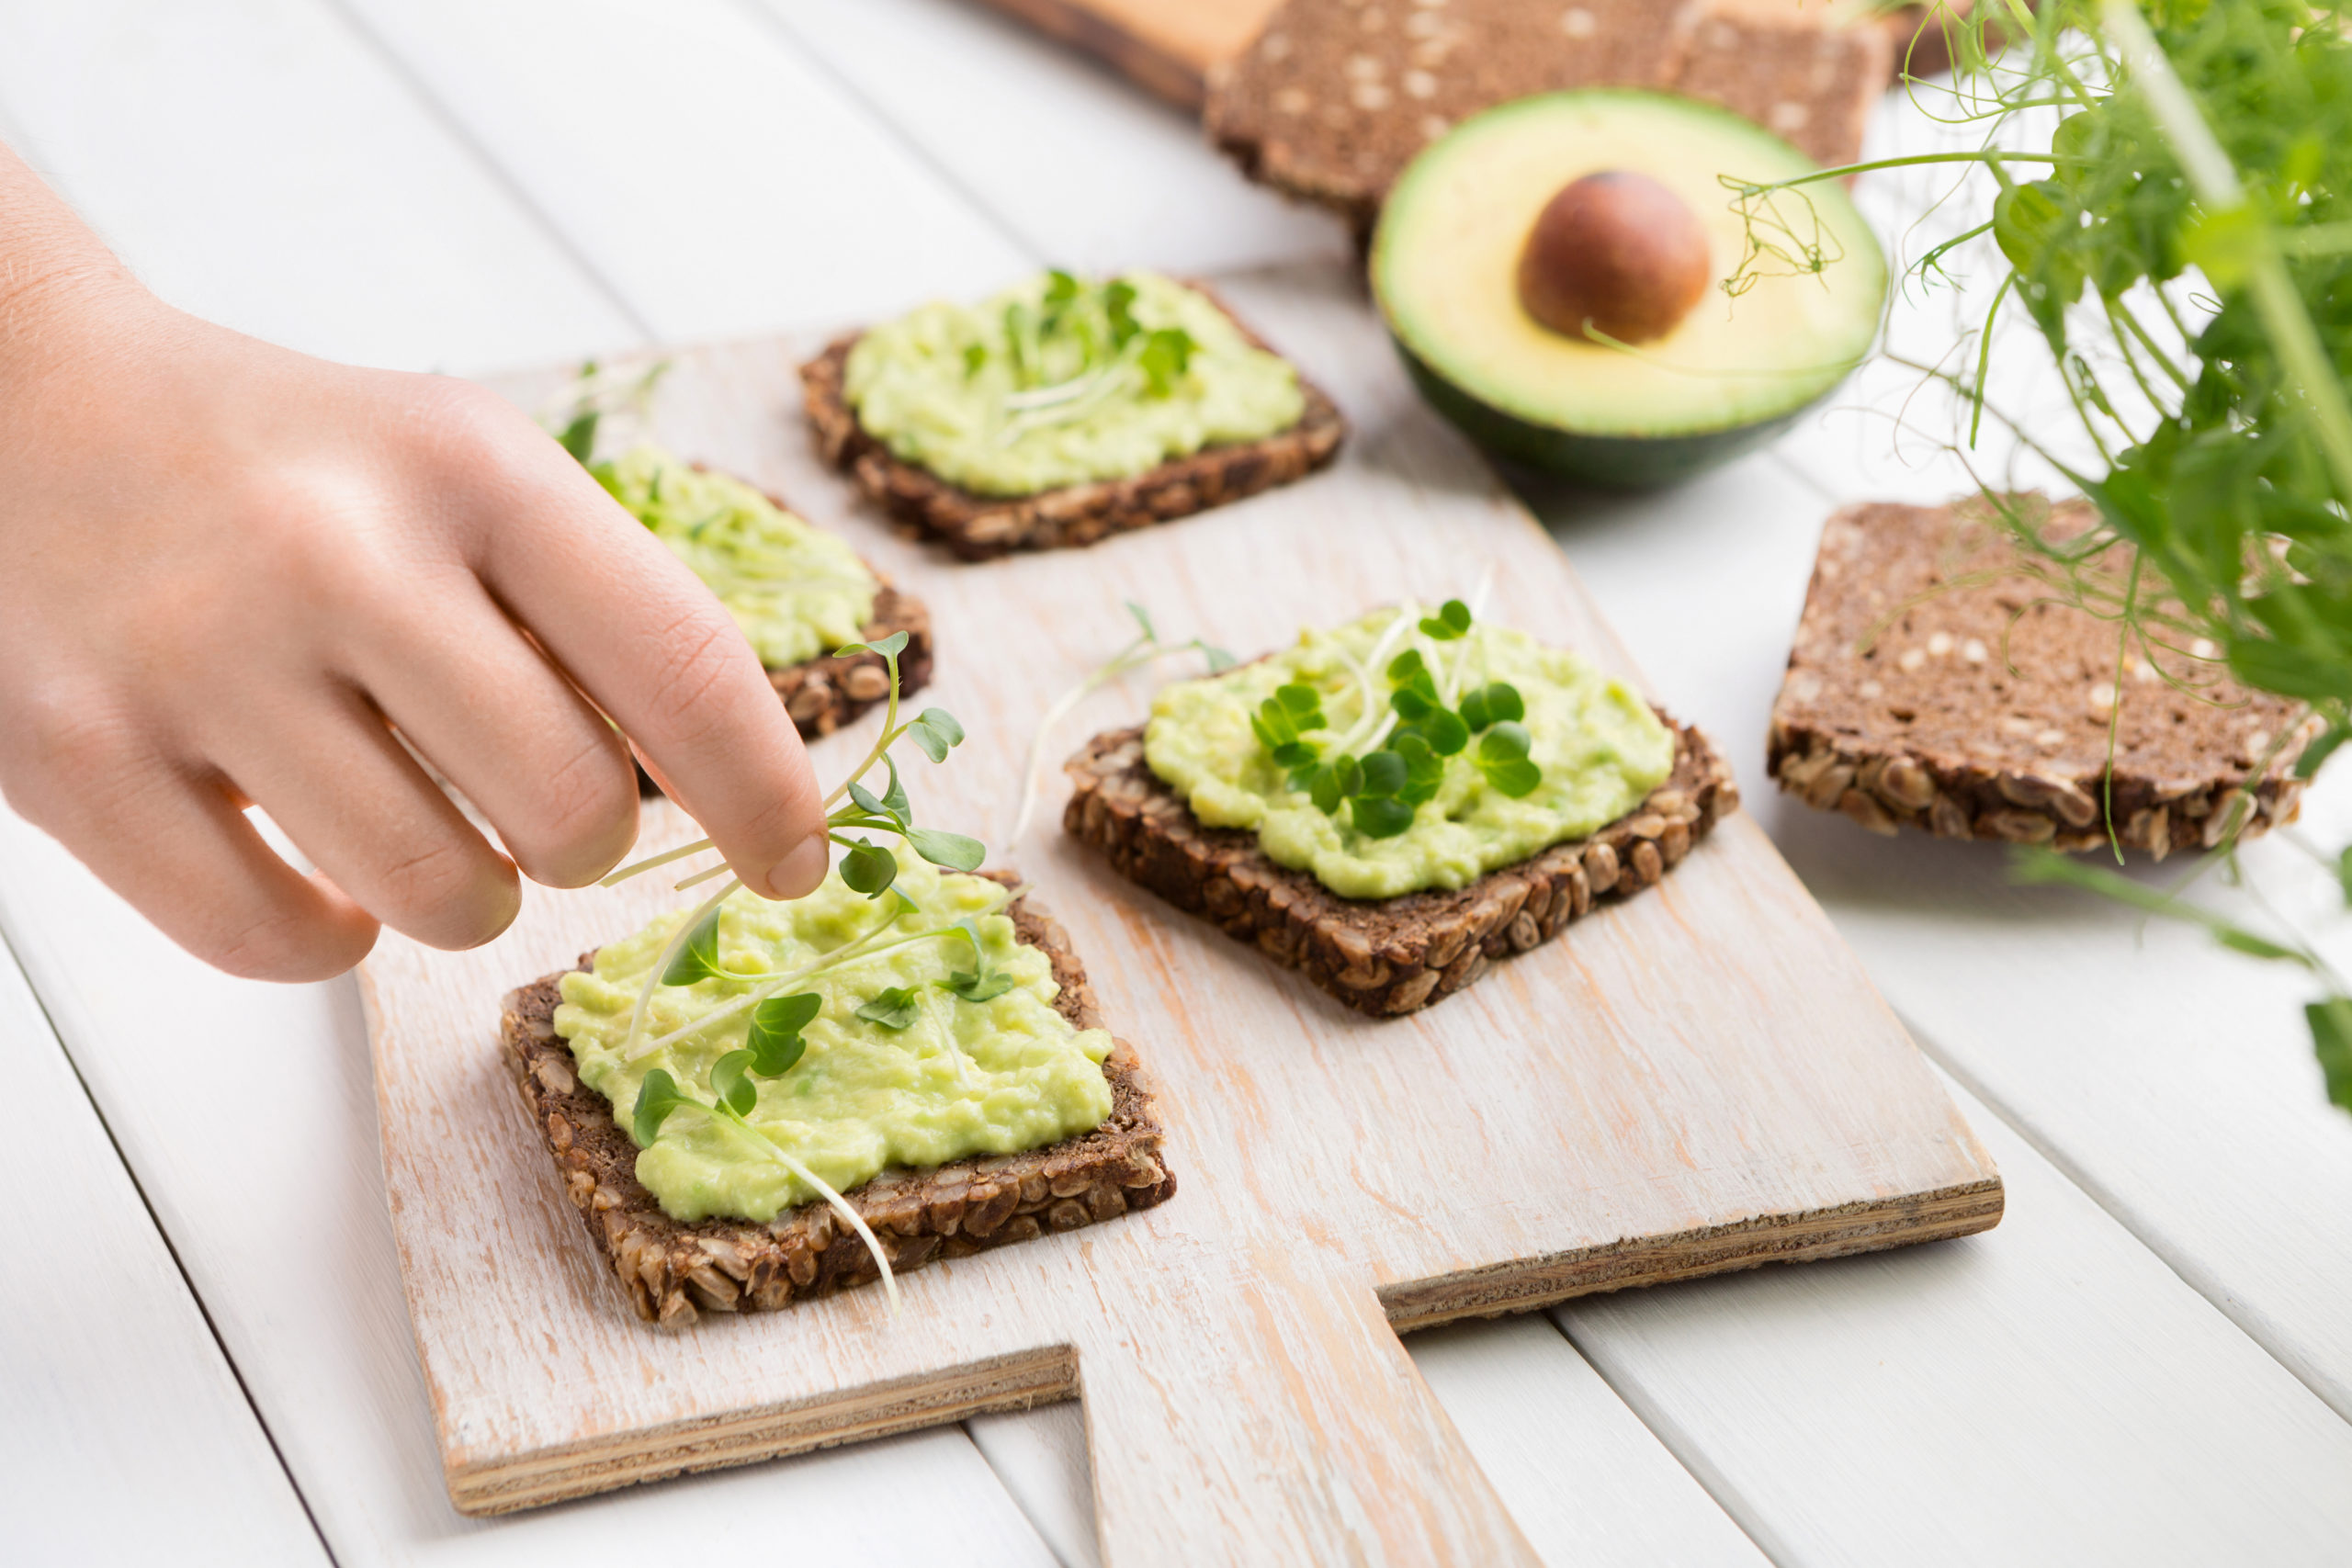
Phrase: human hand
(228, 572)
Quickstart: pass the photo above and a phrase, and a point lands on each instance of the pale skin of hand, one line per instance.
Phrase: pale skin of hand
(228, 572)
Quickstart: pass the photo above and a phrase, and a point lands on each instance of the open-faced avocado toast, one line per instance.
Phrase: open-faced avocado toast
(798, 592)
(1060, 411)
(1390, 805)
(1549, 271)
(948, 1079)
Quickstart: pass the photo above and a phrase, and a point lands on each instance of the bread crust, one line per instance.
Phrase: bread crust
(671, 1270)
(1935, 685)
(978, 527)
(1392, 955)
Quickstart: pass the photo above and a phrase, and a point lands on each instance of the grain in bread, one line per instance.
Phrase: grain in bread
(977, 527)
(1390, 955)
(672, 1270)
(1936, 683)
(1336, 97)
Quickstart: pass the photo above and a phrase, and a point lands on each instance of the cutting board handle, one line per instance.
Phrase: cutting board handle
(1277, 1420)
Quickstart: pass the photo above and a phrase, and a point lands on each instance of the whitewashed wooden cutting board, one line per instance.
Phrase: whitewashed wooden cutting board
(1700, 1080)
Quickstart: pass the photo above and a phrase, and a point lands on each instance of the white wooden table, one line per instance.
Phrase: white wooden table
(204, 1355)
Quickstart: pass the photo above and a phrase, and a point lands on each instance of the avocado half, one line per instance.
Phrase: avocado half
(1729, 377)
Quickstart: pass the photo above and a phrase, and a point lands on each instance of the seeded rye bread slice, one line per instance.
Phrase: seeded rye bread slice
(671, 1270)
(978, 527)
(1903, 707)
(1388, 955)
(1336, 97)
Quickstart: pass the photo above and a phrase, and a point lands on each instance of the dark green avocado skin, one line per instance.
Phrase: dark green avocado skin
(1611, 462)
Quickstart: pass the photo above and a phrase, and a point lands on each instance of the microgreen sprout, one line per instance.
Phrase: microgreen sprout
(1393, 759)
(775, 1045)
(734, 1097)
(893, 1009)
(1145, 649)
(595, 395)
(1090, 333)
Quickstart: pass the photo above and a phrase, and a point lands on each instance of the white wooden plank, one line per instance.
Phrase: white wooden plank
(723, 183)
(256, 164)
(249, 1115)
(1586, 1481)
(125, 1434)
(1040, 1455)
(2172, 1078)
(2046, 1392)
(1090, 170)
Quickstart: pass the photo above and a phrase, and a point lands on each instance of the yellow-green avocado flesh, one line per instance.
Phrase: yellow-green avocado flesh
(994, 1078)
(1730, 375)
(1600, 747)
(932, 386)
(796, 590)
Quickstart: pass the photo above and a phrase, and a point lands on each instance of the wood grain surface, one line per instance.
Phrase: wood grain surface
(1699, 1081)
(1166, 48)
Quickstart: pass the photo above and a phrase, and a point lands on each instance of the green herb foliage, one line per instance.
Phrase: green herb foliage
(1388, 765)
(2183, 251)
(1085, 336)
(893, 1009)
(981, 982)
(776, 1044)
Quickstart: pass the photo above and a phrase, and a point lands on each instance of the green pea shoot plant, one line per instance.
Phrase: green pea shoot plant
(2182, 249)
(1076, 348)
(1420, 711)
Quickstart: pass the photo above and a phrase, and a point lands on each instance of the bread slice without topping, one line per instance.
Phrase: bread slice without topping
(978, 527)
(672, 1270)
(1336, 97)
(1387, 956)
(1937, 683)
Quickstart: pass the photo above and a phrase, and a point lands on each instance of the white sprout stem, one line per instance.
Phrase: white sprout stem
(948, 1030)
(698, 878)
(637, 866)
(1133, 657)
(1059, 710)
(856, 952)
(1373, 708)
(662, 965)
(839, 1204)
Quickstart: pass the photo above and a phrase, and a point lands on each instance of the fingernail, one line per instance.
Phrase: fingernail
(798, 873)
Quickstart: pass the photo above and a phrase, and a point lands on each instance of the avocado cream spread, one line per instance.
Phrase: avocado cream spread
(1056, 382)
(1600, 748)
(961, 1078)
(796, 590)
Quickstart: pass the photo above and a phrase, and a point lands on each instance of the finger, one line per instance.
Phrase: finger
(503, 724)
(648, 643)
(327, 769)
(173, 841)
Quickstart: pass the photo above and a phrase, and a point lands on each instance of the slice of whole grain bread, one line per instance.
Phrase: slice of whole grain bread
(977, 527)
(1336, 97)
(1389, 955)
(671, 1270)
(1936, 682)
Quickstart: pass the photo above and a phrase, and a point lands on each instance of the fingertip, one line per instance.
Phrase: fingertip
(798, 874)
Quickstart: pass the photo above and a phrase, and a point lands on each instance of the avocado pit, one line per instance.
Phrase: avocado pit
(1617, 251)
